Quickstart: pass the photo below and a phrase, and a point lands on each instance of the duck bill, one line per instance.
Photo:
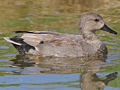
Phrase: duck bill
(106, 28)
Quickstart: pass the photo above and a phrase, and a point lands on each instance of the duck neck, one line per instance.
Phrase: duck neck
(89, 36)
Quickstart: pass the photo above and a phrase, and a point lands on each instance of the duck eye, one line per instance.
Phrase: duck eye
(97, 20)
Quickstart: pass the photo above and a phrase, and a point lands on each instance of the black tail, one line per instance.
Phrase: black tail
(22, 47)
(22, 32)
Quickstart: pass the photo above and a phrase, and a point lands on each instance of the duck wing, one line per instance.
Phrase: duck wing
(35, 38)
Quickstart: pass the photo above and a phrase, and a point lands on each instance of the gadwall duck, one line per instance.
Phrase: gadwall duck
(47, 43)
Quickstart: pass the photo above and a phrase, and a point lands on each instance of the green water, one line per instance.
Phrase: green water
(28, 73)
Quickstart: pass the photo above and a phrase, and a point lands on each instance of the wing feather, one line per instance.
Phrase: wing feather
(51, 38)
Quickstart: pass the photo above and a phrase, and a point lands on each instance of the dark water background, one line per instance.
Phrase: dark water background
(27, 72)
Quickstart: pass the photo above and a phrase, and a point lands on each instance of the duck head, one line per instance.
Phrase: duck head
(91, 22)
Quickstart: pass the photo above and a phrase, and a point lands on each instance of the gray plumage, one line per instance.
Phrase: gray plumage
(47, 43)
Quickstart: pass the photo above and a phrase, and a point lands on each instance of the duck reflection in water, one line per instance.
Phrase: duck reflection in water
(90, 81)
(49, 65)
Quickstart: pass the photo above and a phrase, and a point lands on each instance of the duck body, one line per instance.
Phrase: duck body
(47, 43)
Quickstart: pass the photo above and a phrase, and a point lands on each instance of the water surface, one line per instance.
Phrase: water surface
(40, 73)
